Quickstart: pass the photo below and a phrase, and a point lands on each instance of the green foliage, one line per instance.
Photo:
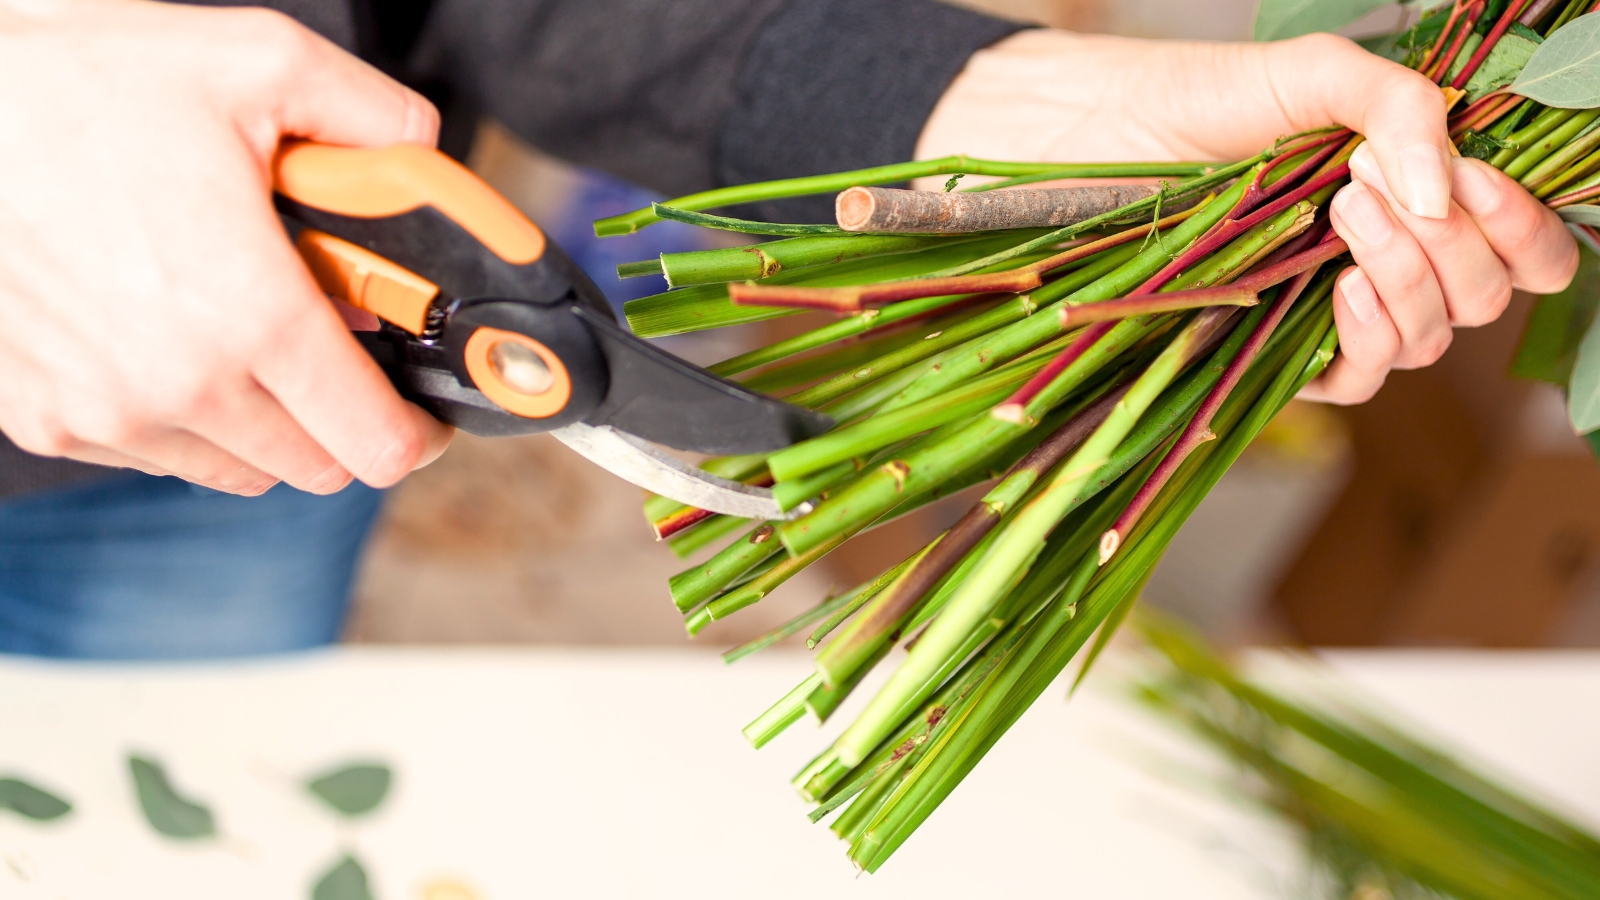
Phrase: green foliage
(954, 180)
(1565, 71)
(353, 790)
(31, 802)
(1279, 19)
(165, 810)
(1549, 345)
(1382, 813)
(347, 880)
(1501, 67)
(1481, 146)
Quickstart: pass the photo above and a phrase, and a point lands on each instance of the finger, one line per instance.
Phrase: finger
(173, 451)
(1368, 344)
(312, 88)
(1538, 251)
(1323, 78)
(339, 396)
(251, 425)
(1398, 270)
(1474, 282)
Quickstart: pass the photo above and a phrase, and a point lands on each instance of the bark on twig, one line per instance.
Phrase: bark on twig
(934, 212)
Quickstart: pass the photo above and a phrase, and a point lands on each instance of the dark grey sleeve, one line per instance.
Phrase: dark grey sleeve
(684, 95)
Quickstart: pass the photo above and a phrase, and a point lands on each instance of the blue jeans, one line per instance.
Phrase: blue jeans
(139, 567)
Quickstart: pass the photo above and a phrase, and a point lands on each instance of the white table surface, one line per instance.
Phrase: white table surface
(568, 773)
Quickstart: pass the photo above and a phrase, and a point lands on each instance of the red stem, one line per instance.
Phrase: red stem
(1438, 45)
(672, 523)
(1588, 193)
(1442, 65)
(1255, 195)
(1482, 53)
(1198, 431)
(1174, 301)
(1085, 340)
(855, 299)
(1484, 113)
(1231, 228)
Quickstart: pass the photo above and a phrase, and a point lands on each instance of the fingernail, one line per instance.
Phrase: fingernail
(1425, 180)
(1359, 210)
(1475, 189)
(1364, 166)
(1360, 296)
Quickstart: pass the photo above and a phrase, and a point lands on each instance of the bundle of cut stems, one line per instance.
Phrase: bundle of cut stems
(1099, 378)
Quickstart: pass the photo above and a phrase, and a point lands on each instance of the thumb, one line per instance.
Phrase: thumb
(1321, 79)
(306, 86)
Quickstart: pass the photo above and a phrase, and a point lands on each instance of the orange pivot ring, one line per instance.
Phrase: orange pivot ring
(521, 375)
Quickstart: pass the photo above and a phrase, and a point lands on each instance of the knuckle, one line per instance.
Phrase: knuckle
(281, 45)
(1318, 44)
(42, 439)
(110, 425)
(1487, 307)
(1426, 350)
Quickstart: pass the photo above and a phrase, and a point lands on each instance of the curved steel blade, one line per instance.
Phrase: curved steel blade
(637, 461)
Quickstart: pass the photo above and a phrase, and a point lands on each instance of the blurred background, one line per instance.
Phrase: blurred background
(1455, 509)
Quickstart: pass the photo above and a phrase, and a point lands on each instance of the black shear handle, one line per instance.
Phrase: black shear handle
(410, 235)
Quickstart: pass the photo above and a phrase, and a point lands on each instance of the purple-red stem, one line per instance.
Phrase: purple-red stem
(1255, 195)
(845, 300)
(1231, 228)
(1085, 340)
(1482, 53)
(672, 523)
(1198, 431)
(1441, 67)
(1588, 193)
(1175, 301)
(1253, 283)
(1444, 34)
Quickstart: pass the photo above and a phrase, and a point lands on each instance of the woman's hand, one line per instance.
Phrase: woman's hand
(1438, 241)
(155, 315)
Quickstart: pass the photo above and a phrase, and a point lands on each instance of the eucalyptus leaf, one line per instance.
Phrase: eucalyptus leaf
(1502, 66)
(1580, 213)
(168, 812)
(31, 802)
(347, 880)
(1565, 70)
(353, 790)
(1583, 391)
(1279, 19)
(1549, 345)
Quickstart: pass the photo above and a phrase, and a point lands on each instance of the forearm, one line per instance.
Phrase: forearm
(684, 95)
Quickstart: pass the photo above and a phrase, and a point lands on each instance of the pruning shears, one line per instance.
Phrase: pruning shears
(486, 324)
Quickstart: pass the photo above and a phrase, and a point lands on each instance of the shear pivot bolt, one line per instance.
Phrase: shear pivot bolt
(519, 368)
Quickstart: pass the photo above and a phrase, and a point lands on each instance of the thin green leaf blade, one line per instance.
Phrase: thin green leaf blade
(30, 801)
(353, 790)
(347, 880)
(1279, 19)
(1565, 70)
(168, 812)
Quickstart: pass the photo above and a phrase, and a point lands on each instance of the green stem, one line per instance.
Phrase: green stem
(782, 714)
(765, 260)
(794, 626)
(1018, 545)
(696, 585)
